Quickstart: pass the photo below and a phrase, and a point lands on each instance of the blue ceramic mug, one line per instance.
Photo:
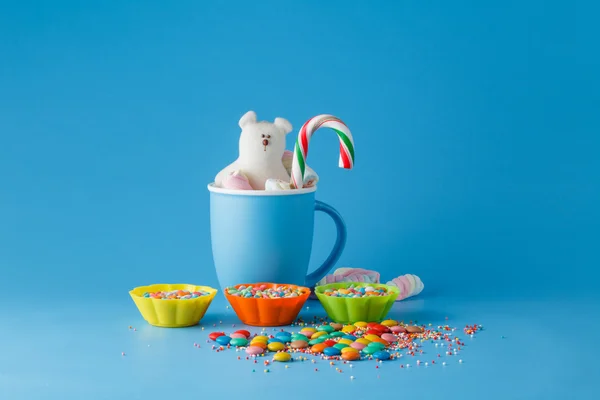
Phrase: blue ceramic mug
(267, 236)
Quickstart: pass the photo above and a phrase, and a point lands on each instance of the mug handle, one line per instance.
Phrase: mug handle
(340, 242)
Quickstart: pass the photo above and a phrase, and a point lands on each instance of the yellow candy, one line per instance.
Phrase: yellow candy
(347, 349)
(282, 356)
(345, 341)
(360, 324)
(276, 346)
(309, 329)
(343, 291)
(317, 334)
(348, 329)
(363, 341)
(389, 322)
(260, 339)
(371, 337)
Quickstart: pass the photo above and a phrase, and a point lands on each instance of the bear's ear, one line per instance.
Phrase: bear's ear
(283, 124)
(249, 117)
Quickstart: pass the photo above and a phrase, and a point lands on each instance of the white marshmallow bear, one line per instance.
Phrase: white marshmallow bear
(261, 148)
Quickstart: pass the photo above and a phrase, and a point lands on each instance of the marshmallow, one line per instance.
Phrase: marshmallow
(310, 176)
(277, 184)
(350, 275)
(236, 180)
(409, 285)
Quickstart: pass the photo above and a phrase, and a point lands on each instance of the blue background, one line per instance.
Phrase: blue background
(476, 127)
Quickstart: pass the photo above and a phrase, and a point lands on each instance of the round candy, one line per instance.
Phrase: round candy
(389, 322)
(370, 350)
(239, 342)
(350, 356)
(318, 348)
(260, 338)
(381, 355)
(237, 335)
(298, 336)
(329, 342)
(283, 335)
(325, 328)
(276, 346)
(381, 328)
(348, 329)
(318, 334)
(358, 345)
(360, 324)
(349, 337)
(336, 334)
(316, 341)
(376, 346)
(336, 326)
(332, 351)
(259, 344)
(299, 344)
(371, 324)
(347, 349)
(347, 342)
(398, 329)
(371, 337)
(372, 331)
(282, 356)
(223, 340)
(388, 337)
(340, 345)
(363, 340)
(243, 332)
(308, 329)
(414, 329)
(254, 350)
(306, 333)
(383, 342)
(276, 339)
(215, 335)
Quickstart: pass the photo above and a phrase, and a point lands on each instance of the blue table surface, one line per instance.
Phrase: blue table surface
(529, 349)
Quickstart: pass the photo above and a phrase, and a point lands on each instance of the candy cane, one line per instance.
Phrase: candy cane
(306, 132)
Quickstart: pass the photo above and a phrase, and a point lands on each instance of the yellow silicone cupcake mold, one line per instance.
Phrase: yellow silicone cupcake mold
(172, 313)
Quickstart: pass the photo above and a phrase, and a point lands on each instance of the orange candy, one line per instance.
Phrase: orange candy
(259, 344)
(318, 348)
(350, 355)
(382, 341)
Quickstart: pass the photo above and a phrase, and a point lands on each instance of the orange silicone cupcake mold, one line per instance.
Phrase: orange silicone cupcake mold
(268, 312)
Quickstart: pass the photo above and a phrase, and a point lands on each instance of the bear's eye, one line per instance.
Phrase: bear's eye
(263, 135)
(268, 136)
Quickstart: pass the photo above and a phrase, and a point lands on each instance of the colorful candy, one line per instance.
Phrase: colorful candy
(264, 292)
(176, 295)
(356, 291)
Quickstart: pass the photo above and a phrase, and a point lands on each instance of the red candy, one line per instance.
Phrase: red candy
(243, 332)
(373, 332)
(215, 335)
(381, 328)
(330, 343)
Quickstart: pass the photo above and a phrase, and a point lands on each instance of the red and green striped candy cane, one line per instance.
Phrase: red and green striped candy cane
(306, 132)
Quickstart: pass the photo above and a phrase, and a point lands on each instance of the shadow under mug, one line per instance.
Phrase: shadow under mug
(267, 236)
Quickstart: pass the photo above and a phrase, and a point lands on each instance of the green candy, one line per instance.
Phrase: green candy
(340, 345)
(326, 328)
(370, 350)
(299, 336)
(376, 345)
(336, 334)
(238, 342)
(317, 341)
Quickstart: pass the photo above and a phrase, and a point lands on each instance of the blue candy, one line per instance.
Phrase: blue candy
(381, 355)
(332, 351)
(223, 340)
(276, 339)
(351, 337)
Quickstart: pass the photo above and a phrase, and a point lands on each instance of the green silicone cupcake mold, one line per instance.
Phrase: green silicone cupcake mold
(348, 310)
